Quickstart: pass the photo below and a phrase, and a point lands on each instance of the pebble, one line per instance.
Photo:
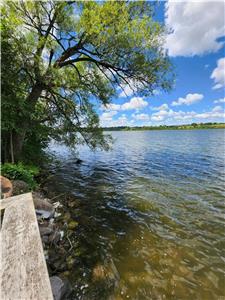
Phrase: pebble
(46, 254)
(57, 204)
(57, 215)
(72, 225)
(61, 234)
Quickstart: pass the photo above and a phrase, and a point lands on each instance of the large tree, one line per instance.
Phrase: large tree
(64, 55)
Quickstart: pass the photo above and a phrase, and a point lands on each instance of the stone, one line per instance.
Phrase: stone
(60, 287)
(45, 230)
(57, 204)
(41, 203)
(79, 161)
(6, 187)
(73, 203)
(65, 274)
(67, 216)
(55, 237)
(43, 207)
(45, 239)
(20, 187)
(72, 225)
(98, 273)
(43, 214)
(107, 272)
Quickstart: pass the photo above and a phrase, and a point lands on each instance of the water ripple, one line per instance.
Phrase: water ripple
(155, 206)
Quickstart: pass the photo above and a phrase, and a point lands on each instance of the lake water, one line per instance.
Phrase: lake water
(151, 216)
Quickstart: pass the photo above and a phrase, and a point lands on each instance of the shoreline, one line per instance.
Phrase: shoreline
(163, 128)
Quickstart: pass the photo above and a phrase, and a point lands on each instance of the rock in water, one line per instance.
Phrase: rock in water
(45, 230)
(55, 237)
(60, 287)
(20, 187)
(72, 225)
(43, 214)
(43, 207)
(79, 161)
(107, 273)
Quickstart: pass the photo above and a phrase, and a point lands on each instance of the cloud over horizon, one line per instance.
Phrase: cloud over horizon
(164, 116)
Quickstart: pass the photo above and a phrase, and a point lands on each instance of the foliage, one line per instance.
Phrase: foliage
(20, 172)
(68, 58)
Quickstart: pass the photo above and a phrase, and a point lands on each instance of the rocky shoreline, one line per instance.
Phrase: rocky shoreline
(75, 273)
(55, 228)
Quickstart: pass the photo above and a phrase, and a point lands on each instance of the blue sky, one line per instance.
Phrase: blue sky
(196, 47)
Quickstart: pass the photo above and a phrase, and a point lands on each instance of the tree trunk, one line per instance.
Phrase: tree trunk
(18, 142)
(19, 137)
(11, 147)
(5, 151)
(35, 93)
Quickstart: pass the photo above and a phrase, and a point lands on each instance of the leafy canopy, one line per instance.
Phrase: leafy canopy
(67, 56)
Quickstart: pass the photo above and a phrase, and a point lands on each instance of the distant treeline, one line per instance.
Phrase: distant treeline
(168, 127)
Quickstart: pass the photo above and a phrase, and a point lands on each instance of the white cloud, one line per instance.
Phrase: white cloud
(107, 116)
(195, 27)
(222, 100)
(141, 117)
(188, 100)
(134, 103)
(216, 112)
(217, 108)
(165, 116)
(161, 107)
(122, 120)
(111, 122)
(192, 116)
(218, 74)
(162, 115)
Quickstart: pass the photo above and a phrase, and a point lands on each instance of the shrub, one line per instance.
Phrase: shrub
(20, 172)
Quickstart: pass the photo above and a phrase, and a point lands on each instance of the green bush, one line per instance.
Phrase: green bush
(20, 172)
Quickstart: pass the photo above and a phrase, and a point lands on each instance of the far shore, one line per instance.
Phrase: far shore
(193, 126)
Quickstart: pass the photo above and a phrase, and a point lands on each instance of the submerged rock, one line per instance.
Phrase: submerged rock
(107, 273)
(70, 262)
(73, 203)
(60, 287)
(66, 217)
(98, 273)
(72, 225)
